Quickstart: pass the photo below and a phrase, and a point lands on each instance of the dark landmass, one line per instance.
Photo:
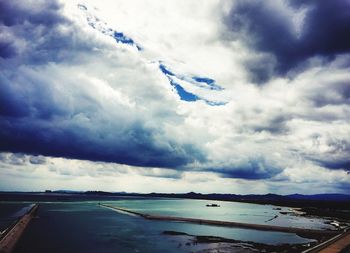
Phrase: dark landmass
(324, 205)
(195, 239)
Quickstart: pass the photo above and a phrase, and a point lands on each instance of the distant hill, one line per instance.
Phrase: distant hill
(326, 197)
(341, 201)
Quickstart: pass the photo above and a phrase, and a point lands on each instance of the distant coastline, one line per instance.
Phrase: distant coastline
(331, 205)
(311, 206)
(292, 200)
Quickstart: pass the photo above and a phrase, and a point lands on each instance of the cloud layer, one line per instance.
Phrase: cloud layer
(270, 82)
(291, 32)
(52, 105)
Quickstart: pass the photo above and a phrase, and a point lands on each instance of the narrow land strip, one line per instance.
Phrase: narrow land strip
(338, 246)
(299, 231)
(334, 245)
(9, 240)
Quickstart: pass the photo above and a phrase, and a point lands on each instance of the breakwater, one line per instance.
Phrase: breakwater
(310, 233)
(13, 234)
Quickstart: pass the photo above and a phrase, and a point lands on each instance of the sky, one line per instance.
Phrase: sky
(224, 96)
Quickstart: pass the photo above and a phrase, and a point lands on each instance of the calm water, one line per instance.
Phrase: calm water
(87, 227)
(10, 212)
(228, 211)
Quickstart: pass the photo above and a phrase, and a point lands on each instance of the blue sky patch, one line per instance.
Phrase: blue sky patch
(184, 95)
(208, 81)
(203, 80)
(165, 70)
(188, 96)
(101, 26)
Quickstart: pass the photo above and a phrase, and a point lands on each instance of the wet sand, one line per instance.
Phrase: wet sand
(10, 239)
(309, 233)
(215, 244)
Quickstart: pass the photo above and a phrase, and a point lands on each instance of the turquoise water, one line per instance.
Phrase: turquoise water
(87, 227)
(228, 211)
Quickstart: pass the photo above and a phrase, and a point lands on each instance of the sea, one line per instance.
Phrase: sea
(86, 226)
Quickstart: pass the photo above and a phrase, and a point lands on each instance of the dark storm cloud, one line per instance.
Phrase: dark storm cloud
(135, 146)
(37, 32)
(33, 95)
(43, 111)
(7, 49)
(324, 32)
(336, 94)
(66, 92)
(27, 20)
(274, 125)
(335, 164)
(254, 168)
(36, 117)
(17, 12)
(337, 155)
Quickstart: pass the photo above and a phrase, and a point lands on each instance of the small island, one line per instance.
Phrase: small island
(212, 205)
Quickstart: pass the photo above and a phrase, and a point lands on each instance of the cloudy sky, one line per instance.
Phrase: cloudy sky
(229, 96)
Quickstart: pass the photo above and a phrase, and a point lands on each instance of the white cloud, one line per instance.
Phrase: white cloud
(105, 101)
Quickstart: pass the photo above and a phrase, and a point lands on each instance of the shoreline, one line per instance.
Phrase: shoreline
(337, 243)
(214, 244)
(308, 233)
(326, 239)
(13, 233)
